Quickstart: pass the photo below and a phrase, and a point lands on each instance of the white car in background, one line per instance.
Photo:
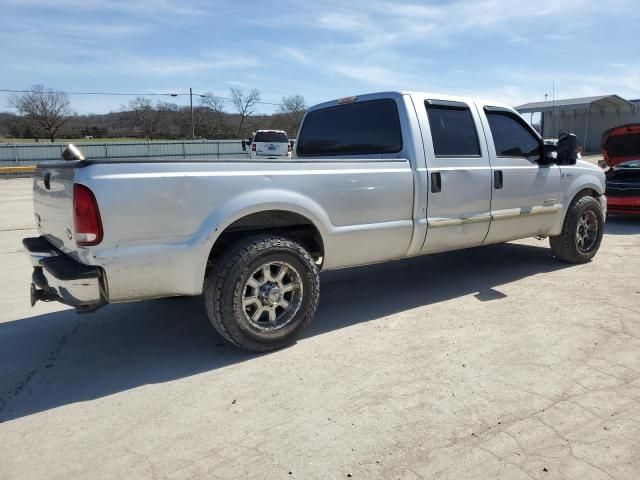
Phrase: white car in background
(270, 143)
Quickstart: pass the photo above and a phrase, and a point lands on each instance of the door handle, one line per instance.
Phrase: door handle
(497, 179)
(436, 182)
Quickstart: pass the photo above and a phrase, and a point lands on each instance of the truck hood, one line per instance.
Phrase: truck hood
(621, 144)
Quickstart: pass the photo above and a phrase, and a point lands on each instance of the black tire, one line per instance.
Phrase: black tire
(566, 245)
(226, 284)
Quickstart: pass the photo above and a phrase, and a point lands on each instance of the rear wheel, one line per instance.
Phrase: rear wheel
(262, 292)
(581, 233)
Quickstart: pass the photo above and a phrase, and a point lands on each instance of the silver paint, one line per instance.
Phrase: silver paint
(161, 220)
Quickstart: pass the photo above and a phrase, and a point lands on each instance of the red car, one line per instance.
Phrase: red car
(621, 150)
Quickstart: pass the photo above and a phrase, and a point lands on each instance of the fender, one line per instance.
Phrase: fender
(576, 178)
(248, 203)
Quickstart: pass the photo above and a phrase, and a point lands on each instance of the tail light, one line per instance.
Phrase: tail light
(86, 217)
(289, 150)
(253, 147)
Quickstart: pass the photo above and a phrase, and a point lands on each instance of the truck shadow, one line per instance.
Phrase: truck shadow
(55, 359)
(622, 225)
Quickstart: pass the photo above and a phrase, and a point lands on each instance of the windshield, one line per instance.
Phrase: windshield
(271, 137)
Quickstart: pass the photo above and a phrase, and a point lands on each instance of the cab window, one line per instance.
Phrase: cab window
(511, 137)
(453, 130)
(360, 128)
(271, 137)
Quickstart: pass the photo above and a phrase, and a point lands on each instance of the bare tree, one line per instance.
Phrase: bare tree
(292, 108)
(245, 104)
(149, 117)
(43, 109)
(216, 122)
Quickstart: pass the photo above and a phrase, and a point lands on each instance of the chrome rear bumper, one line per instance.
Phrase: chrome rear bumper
(57, 276)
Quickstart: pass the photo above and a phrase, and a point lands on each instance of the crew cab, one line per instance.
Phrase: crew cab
(375, 178)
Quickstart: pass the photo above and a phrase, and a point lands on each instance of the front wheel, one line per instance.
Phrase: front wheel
(581, 233)
(262, 292)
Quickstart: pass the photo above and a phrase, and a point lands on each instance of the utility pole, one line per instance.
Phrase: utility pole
(193, 126)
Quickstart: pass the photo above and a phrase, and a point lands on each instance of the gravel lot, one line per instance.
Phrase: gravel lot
(492, 362)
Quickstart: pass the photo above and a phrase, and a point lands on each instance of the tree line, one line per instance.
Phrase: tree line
(44, 113)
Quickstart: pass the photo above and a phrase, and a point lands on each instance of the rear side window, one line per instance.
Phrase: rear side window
(271, 137)
(452, 130)
(512, 138)
(361, 128)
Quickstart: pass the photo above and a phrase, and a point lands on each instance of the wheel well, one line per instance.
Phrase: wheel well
(585, 192)
(278, 222)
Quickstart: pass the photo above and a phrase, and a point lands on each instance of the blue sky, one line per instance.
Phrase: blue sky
(505, 50)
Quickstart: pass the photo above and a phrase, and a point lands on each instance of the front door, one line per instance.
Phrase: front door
(525, 198)
(459, 176)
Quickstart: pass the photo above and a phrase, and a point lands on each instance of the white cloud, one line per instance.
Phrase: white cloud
(176, 65)
(131, 7)
(371, 74)
(323, 49)
(297, 54)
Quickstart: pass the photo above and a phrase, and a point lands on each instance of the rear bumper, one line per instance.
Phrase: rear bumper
(623, 205)
(57, 276)
(269, 155)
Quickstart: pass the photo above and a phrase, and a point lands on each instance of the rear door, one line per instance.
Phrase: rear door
(526, 192)
(459, 175)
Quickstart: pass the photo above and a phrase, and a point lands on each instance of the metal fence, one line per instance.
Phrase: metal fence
(34, 153)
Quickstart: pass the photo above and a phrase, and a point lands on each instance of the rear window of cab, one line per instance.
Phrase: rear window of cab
(360, 128)
(271, 137)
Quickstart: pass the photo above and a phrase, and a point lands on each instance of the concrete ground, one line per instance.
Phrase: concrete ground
(492, 362)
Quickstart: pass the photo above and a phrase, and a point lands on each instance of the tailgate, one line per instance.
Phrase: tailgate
(267, 148)
(53, 205)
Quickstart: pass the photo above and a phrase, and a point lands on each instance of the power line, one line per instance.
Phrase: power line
(151, 94)
(94, 93)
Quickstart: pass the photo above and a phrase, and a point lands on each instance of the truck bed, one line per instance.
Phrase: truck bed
(161, 217)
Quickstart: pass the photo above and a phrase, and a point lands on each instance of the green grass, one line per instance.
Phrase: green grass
(43, 141)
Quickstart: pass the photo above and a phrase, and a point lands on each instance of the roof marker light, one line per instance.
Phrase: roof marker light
(344, 100)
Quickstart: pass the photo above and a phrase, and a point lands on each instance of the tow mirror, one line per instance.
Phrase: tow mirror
(567, 149)
(550, 154)
(244, 145)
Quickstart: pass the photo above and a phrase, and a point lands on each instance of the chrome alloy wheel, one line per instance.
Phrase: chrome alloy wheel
(271, 296)
(587, 231)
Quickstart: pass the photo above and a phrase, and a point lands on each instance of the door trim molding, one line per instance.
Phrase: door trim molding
(524, 211)
(450, 222)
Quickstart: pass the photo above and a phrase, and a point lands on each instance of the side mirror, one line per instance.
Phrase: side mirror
(567, 149)
(550, 154)
(244, 145)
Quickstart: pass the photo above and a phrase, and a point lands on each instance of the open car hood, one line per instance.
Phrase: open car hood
(621, 143)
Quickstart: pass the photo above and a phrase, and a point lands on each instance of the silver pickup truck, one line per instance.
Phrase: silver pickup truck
(374, 178)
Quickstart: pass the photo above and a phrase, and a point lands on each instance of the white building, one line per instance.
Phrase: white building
(587, 117)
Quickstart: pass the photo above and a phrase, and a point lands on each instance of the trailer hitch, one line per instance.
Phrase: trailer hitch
(42, 295)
